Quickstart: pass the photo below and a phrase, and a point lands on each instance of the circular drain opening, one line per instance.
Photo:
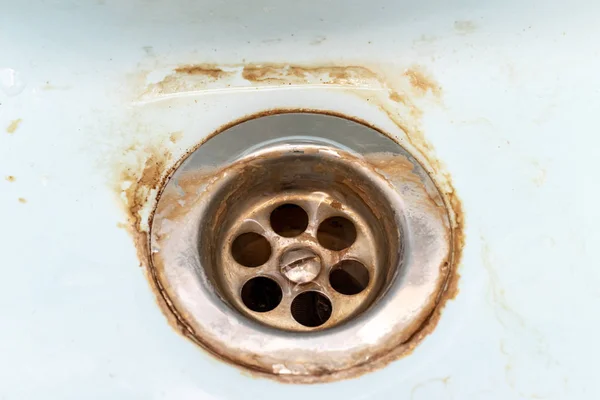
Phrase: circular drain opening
(274, 249)
(261, 294)
(289, 220)
(349, 277)
(311, 309)
(251, 249)
(336, 233)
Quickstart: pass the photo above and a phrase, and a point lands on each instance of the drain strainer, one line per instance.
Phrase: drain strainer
(301, 245)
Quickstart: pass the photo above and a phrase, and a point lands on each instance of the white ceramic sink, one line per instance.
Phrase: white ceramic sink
(506, 94)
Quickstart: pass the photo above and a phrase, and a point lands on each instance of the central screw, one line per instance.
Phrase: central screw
(300, 265)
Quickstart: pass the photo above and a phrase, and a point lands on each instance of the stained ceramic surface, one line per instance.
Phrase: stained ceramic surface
(513, 123)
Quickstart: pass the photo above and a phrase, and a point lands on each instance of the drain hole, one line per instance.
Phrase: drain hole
(261, 294)
(251, 249)
(311, 309)
(336, 233)
(289, 220)
(349, 277)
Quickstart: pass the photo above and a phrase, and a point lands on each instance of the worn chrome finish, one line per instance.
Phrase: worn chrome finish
(300, 265)
(354, 197)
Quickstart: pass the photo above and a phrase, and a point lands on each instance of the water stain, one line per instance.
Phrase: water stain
(11, 178)
(14, 125)
(175, 137)
(318, 40)
(48, 86)
(439, 381)
(22, 200)
(465, 27)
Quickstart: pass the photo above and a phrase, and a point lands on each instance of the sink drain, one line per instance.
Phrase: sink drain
(301, 245)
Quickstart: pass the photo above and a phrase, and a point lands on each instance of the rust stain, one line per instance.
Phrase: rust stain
(176, 200)
(336, 204)
(208, 70)
(398, 97)
(297, 74)
(14, 125)
(136, 184)
(22, 200)
(421, 81)
(11, 178)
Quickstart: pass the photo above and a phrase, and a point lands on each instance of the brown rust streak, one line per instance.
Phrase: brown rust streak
(296, 74)
(421, 81)
(208, 70)
(156, 169)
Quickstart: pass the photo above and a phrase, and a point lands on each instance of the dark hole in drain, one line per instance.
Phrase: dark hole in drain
(311, 309)
(289, 220)
(349, 277)
(261, 294)
(336, 233)
(251, 249)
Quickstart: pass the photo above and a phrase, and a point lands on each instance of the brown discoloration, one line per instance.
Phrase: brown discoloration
(22, 200)
(296, 74)
(14, 125)
(336, 204)
(11, 178)
(208, 70)
(394, 165)
(421, 81)
(397, 100)
(176, 200)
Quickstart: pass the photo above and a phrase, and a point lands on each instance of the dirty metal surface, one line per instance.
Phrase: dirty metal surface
(99, 98)
(408, 235)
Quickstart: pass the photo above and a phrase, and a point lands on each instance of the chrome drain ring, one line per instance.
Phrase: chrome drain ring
(246, 305)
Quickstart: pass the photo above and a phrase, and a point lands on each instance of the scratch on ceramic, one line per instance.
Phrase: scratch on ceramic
(14, 125)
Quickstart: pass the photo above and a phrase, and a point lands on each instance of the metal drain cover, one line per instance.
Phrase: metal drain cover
(301, 245)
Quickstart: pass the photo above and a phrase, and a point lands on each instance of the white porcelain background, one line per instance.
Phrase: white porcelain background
(521, 94)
